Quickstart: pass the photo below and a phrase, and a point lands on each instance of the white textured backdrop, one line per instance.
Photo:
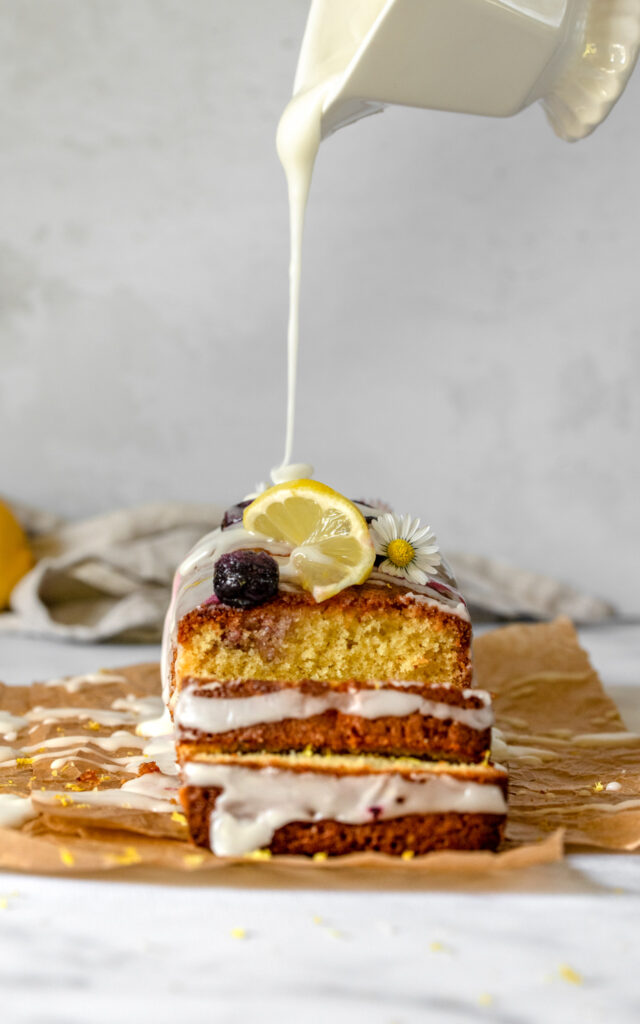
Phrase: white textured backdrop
(471, 293)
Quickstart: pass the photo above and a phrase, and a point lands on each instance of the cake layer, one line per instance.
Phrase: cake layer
(367, 632)
(294, 803)
(399, 718)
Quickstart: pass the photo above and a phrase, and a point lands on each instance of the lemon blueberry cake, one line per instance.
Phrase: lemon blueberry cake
(317, 666)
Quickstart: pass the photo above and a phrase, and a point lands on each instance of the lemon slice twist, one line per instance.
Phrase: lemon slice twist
(332, 547)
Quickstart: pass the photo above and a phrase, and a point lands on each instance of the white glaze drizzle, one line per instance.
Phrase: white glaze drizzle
(297, 142)
(153, 791)
(15, 810)
(74, 683)
(10, 724)
(103, 716)
(254, 803)
(216, 714)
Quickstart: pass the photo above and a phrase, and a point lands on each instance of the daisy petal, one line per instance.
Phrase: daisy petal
(391, 569)
(415, 575)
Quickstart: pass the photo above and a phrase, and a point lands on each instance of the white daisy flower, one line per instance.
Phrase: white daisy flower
(409, 549)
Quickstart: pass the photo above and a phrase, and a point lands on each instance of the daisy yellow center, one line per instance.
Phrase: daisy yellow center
(400, 552)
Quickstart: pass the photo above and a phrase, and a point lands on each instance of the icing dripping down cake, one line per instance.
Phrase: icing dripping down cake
(317, 666)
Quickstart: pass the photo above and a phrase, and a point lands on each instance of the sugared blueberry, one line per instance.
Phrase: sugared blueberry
(234, 514)
(244, 579)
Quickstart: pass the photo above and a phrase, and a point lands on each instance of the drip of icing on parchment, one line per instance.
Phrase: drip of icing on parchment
(121, 753)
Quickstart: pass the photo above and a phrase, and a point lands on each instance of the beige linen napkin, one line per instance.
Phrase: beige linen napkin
(109, 577)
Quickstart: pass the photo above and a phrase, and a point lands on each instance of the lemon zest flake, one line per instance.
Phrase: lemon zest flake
(568, 974)
(193, 860)
(66, 857)
(129, 856)
(259, 855)
(178, 818)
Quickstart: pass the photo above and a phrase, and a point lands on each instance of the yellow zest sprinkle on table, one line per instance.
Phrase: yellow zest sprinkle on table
(23, 762)
(569, 975)
(192, 860)
(238, 933)
(66, 857)
(598, 787)
(407, 854)
(317, 920)
(259, 855)
(179, 818)
(320, 855)
(437, 947)
(129, 856)
(485, 999)
(4, 902)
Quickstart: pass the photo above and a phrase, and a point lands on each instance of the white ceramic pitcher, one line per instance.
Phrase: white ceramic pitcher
(491, 57)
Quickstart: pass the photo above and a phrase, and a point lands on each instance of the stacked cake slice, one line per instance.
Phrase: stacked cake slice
(324, 727)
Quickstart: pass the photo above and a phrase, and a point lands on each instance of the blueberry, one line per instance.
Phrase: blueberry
(244, 579)
(234, 514)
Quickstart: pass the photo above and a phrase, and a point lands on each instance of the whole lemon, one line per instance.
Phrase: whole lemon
(15, 555)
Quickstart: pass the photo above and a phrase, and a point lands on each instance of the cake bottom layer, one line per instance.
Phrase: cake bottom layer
(411, 834)
(237, 804)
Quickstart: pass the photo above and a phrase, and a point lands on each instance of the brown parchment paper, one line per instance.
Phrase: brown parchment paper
(562, 737)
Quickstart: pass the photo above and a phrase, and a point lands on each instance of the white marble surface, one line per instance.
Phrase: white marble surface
(77, 951)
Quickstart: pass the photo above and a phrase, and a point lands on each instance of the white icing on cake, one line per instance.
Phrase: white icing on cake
(255, 803)
(216, 714)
